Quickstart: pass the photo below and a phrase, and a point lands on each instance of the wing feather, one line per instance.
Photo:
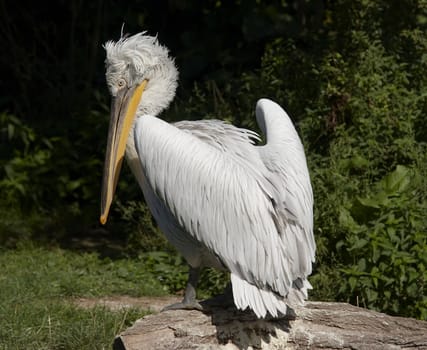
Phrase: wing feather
(284, 157)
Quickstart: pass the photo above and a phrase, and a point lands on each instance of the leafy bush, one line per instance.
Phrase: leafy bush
(384, 260)
(22, 156)
(47, 183)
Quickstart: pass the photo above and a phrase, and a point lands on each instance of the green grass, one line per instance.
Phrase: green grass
(37, 286)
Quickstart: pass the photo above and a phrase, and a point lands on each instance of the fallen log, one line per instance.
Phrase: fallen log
(318, 325)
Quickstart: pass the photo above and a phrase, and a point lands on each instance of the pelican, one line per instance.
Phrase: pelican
(222, 200)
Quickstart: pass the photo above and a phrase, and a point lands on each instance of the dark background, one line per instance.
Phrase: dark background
(52, 51)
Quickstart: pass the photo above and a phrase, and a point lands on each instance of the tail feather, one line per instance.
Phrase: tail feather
(298, 293)
(263, 301)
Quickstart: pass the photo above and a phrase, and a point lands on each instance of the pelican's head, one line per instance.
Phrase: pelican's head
(142, 80)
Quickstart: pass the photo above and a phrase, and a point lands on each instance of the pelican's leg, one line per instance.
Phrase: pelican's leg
(189, 302)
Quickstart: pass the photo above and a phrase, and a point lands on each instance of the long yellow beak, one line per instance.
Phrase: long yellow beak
(123, 111)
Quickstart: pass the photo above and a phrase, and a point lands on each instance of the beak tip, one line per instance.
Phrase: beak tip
(103, 219)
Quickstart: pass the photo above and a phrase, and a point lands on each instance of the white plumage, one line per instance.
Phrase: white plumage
(220, 199)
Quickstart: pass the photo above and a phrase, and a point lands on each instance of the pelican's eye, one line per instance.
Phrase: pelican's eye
(121, 83)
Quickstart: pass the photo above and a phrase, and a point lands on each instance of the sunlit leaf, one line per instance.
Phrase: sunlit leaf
(397, 181)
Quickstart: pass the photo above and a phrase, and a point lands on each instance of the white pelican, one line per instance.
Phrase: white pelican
(221, 200)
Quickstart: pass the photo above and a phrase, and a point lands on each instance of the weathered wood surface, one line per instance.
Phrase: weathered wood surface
(319, 325)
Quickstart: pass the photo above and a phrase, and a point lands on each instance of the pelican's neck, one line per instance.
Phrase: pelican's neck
(158, 94)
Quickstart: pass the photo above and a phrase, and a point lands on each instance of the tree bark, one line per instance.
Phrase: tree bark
(318, 325)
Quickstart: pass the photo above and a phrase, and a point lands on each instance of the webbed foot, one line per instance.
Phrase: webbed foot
(189, 302)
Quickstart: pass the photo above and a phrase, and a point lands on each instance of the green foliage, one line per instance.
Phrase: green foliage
(170, 269)
(212, 282)
(24, 154)
(142, 232)
(384, 248)
(368, 177)
(47, 182)
(172, 272)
